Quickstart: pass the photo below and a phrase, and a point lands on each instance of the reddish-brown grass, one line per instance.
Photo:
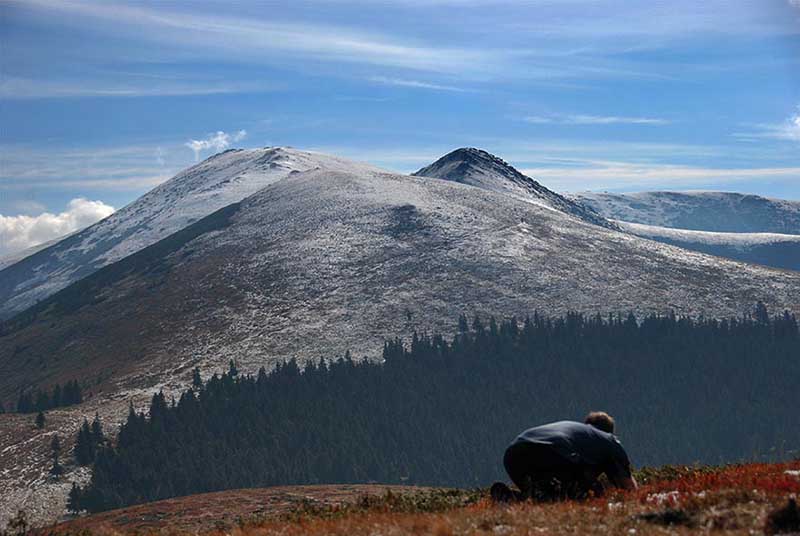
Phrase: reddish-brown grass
(731, 500)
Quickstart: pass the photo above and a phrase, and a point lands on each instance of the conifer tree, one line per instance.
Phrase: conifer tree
(84, 445)
(55, 447)
(25, 403)
(97, 431)
(463, 325)
(74, 499)
(40, 420)
(197, 380)
(42, 401)
(56, 400)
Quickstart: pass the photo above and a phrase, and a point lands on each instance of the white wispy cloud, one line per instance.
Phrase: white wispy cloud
(787, 130)
(28, 88)
(33, 169)
(579, 119)
(565, 41)
(653, 22)
(21, 232)
(269, 40)
(790, 130)
(219, 141)
(416, 84)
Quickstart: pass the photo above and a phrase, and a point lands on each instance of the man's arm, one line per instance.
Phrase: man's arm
(620, 472)
(628, 483)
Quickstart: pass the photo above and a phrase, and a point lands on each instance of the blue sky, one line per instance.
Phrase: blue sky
(103, 100)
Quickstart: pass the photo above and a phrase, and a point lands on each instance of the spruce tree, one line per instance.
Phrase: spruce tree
(40, 420)
(84, 445)
(42, 401)
(74, 499)
(55, 447)
(97, 431)
(25, 403)
(197, 380)
(55, 400)
(463, 325)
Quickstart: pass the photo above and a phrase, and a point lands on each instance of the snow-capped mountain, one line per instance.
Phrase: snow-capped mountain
(331, 260)
(699, 211)
(743, 227)
(769, 249)
(223, 179)
(476, 167)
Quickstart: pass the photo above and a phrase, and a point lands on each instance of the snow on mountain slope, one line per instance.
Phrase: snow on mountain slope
(742, 240)
(476, 167)
(333, 260)
(700, 211)
(220, 180)
(11, 258)
(769, 249)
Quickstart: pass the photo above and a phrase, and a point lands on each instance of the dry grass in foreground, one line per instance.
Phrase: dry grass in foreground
(729, 500)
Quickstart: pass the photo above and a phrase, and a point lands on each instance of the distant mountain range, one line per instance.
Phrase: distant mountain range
(743, 227)
(722, 212)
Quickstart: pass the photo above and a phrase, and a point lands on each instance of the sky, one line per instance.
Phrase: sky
(100, 102)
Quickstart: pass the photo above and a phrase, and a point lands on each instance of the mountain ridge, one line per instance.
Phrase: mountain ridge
(699, 211)
(476, 167)
(192, 194)
(743, 227)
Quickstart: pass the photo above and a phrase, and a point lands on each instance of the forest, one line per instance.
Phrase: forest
(58, 397)
(439, 411)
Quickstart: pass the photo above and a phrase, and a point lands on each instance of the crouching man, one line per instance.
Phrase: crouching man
(564, 460)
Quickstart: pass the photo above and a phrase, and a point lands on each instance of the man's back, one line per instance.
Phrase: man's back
(580, 444)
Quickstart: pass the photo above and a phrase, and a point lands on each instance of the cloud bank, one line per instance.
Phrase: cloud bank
(21, 232)
(218, 142)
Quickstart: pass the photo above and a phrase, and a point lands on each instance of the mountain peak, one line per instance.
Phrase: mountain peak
(464, 165)
(218, 181)
(482, 169)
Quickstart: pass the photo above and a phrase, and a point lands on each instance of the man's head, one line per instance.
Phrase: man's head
(601, 420)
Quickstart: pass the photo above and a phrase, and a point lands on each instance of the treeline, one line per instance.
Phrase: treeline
(40, 400)
(441, 412)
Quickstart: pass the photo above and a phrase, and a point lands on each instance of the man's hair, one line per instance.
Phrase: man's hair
(601, 420)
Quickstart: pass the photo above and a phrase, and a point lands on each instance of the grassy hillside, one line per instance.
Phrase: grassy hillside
(672, 500)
